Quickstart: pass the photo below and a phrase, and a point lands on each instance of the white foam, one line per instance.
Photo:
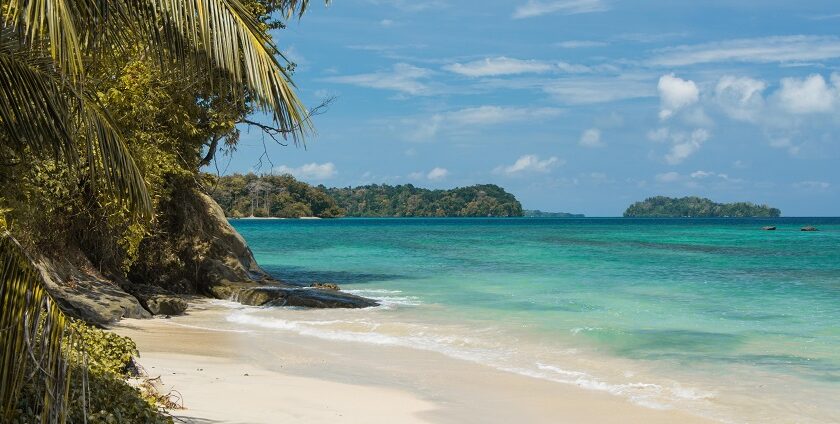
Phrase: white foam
(474, 350)
(388, 299)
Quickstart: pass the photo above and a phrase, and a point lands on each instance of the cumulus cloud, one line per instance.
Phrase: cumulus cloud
(437, 174)
(310, 171)
(591, 138)
(566, 7)
(529, 164)
(811, 94)
(402, 77)
(795, 48)
(498, 66)
(675, 94)
(685, 145)
(740, 98)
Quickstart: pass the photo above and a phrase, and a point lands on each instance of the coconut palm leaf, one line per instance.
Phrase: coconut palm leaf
(223, 32)
(41, 110)
(32, 332)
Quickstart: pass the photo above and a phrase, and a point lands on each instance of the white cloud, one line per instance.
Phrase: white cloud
(590, 90)
(685, 145)
(386, 23)
(497, 66)
(437, 174)
(740, 97)
(413, 5)
(794, 48)
(813, 185)
(566, 7)
(493, 115)
(675, 94)
(402, 77)
(428, 127)
(668, 177)
(659, 135)
(809, 95)
(591, 138)
(529, 164)
(581, 44)
(701, 175)
(310, 171)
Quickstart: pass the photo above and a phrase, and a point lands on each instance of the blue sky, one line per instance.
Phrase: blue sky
(574, 105)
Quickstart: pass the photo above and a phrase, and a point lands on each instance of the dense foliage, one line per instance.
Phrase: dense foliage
(541, 214)
(410, 201)
(285, 197)
(108, 109)
(271, 196)
(101, 362)
(697, 207)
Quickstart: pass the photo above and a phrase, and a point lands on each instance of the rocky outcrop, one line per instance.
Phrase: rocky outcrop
(209, 254)
(82, 292)
(157, 300)
(301, 296)
(325, 286)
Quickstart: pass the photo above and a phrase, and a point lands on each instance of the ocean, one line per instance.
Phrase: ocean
(712, 316)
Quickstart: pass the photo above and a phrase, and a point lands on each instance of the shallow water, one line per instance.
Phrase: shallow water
(713, 316)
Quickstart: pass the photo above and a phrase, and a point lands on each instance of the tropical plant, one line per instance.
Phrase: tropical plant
(49, 105)
(32, 328)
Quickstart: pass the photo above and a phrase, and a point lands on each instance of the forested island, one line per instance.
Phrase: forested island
(532, 213)
(697, 207)
(284, 196)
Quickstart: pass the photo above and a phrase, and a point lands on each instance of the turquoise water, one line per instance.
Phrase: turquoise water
(709, 315)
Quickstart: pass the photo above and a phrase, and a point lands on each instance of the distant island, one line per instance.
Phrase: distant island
(283, 196)
(532, 213)
(697, 207)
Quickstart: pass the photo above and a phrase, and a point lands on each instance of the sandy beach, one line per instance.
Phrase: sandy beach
(226, 376)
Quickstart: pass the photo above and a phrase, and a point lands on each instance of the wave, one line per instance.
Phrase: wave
(388, 299)
(476, 350)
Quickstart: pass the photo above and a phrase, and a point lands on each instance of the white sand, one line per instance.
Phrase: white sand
(298, 379)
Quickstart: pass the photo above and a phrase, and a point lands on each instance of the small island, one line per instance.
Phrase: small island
(533, 213)
(697, 207)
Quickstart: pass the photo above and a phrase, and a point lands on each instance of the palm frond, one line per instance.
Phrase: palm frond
(43, 111)
(32, 332)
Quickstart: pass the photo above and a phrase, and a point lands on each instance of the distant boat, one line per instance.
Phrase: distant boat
(808, 228)
(769, 228)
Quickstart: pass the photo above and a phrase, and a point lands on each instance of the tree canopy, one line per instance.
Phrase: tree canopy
(284, 196)
(697, 207)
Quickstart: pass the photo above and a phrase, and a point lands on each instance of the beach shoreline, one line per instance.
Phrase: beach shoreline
(254, 376)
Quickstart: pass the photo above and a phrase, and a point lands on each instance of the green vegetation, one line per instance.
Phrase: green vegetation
(285, 197)
(108, 108)
(271, 196)
(697, 207)
(541, 214)
(410, 201)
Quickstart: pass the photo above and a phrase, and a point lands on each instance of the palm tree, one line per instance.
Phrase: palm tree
(47, 106)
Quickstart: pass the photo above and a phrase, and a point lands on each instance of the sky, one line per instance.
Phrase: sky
(580, 106)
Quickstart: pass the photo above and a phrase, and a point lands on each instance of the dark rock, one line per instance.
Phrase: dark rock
(82, 292)
(808, 228)
(301, 296)
(325, 286)
(157, 300)
(769, 228)
(166, 305)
